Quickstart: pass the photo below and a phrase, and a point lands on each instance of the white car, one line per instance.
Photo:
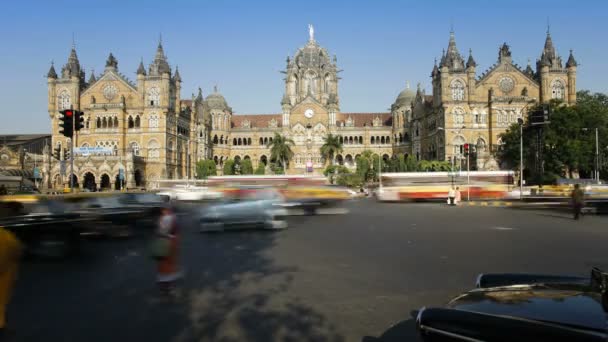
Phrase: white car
(192, 194)
(260, 208)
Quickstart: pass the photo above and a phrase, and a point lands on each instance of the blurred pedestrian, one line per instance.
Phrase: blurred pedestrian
(168, 271)
(10, 252)
(578, 200)
(457, 197)
(451, 196)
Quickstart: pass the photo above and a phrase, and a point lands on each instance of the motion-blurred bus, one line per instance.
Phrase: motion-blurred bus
(420, 186)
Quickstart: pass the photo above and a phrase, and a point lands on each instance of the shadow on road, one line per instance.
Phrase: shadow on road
(232, 291)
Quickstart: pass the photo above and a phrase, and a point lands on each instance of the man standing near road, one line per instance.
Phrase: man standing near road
(451, 196)
(578, 200)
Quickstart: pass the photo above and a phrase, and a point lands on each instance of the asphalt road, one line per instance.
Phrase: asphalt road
(327, 278)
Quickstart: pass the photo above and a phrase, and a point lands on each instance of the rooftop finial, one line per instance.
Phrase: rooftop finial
(73, 41)
(160, 39)
(215, 88)
(311, 32)
(407, 84)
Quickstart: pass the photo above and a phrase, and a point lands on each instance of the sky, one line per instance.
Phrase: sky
(241, 46)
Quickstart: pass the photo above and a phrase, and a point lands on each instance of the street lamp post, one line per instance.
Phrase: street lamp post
(596, 173)
(520, 121)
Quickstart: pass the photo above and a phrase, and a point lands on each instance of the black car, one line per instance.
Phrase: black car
(522, 307)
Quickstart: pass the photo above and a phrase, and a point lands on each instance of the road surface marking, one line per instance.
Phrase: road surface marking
(502, 228)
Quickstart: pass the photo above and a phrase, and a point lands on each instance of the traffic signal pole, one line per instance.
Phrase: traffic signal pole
(72, 151)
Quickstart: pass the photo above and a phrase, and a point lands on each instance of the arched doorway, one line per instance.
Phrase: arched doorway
(89, 181)
(74, 183)
(339, 159)
(349, 160)
(137, 177)
(264, 160)
(105, 182)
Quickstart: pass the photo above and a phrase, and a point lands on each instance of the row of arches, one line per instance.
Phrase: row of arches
(380, 140)
(107, 122)
(241, 141)
(99, 183)
(402, 138)
(351, 140)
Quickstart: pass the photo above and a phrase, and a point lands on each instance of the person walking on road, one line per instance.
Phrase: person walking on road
(578, 200)
(457, 197)
(168, 271)
(10, 252)
(451, 196)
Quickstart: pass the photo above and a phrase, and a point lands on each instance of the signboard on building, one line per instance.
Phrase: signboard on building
(97, 150)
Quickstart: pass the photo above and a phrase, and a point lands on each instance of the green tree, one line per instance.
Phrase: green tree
(280, 150)
(331, 146)
(261, 169)
(335, 171)
(228, 167)
(367, 166)
(246, 167)
(568, 148)
(205, 168)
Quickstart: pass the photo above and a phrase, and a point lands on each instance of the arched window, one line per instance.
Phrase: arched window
(153, 121)
(215, 141)
(87, 123)
(234, 142)
(137, 121)
(131, 122)
(154, 97)
(382, 141)
(64, 100)
(360, 139)
(557, 89)
(481, 145)
(388, 140)
(261, 141)
(373, 140)
(153, 149)
(135, 148)
(222, 140)
(458, 116)
(248, 141)
(98, 122)
(115, 122)
(105, 123)
(457, 90)
(458, 143)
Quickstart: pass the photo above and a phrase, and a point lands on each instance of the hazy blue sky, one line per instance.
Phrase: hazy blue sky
(241, 45)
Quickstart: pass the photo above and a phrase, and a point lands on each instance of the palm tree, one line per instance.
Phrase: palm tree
(280, 149)
(331, 147)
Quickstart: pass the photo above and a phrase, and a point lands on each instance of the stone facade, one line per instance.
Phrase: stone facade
(154, 134)
(146, 127)
(467, 108)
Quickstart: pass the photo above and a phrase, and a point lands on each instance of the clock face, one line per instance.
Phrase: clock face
(309, 113)
(109, 92)
(506, 84)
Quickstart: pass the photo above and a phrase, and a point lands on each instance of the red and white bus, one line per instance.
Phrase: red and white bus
(413, 186)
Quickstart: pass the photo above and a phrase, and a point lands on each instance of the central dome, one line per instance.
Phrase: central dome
(217, 101)
(312, 55)
(406, 97)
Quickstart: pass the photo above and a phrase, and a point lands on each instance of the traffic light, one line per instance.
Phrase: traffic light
(66, 124)
(466, 149)
(541, 116)
(57, 153)
(78, 120)
(66, 154)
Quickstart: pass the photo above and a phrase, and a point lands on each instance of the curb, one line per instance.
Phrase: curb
(488, 204)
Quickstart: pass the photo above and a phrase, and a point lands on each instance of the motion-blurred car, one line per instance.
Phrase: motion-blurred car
(46, 228)
(523, 307)
(251, 208)
(191, 194)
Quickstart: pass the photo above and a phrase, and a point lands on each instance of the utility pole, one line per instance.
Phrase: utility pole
(72, 152)
(597, 157)
(468, 177)
(521, 158)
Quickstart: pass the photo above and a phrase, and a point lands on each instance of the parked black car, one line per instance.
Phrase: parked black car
(523, 307)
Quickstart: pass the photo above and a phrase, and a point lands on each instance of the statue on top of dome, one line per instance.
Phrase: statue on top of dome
(311, 32)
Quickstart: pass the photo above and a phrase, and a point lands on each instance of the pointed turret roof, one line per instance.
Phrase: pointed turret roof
(92, 79)
(435, 69)
(452, 59)
(72, 67)
(529, 70)
(571, 61)
(52, 73)
(177, 77)
(549, 56)
(160, 64)
(471, 62)
(141, 70)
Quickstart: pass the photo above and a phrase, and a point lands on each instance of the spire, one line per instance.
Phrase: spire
(92, 79)
(111, 62)
(435, 69)
(529, 70)
(453, 59)
(52, 73)
(141, 70)
(199, 97)
(571, 61)
(418, 90)
(160, 64)
(177, 77)
(471, 62)
(73, 65)
(549, 57)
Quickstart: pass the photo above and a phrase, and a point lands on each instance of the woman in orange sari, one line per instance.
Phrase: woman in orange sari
(10, 251)
(167, 268)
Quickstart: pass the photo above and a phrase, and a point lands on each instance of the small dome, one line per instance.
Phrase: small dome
(312, 55)
(215, 100)
(406, 97)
